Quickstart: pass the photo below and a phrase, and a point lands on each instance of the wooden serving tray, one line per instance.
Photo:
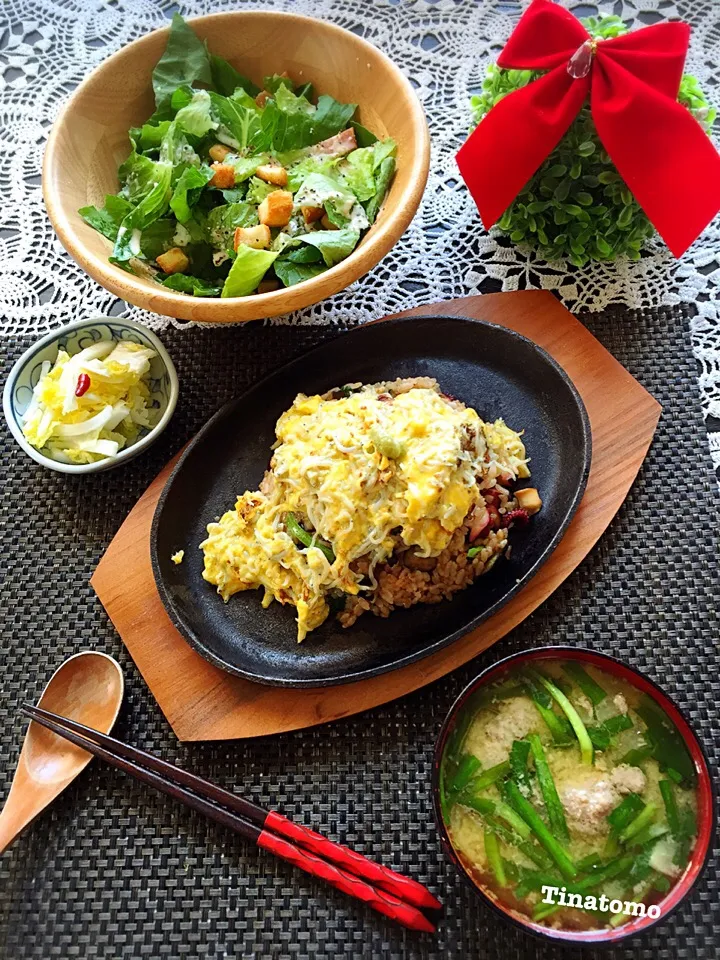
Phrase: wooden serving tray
(202, 702)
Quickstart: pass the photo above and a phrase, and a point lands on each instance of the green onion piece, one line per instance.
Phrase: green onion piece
(674, 775)
(536, 824)
(466, 769)
(642, 820)
(667, 744)
(671, 808)
(625, 811)
(555, 812)
(591, 862)
(599, 736)
(297, 532)
(506, 813)
(536, 880)
(544, 910)
(592, 690)
(558, 726)
(619, 818)
(473, 552)
(637, 755)
(498, 810)
(492, 849)
(615, 725)
(519, 753)
(530, 849)
(586, 747)
(490, 776)
(613, 870)
(650, 835)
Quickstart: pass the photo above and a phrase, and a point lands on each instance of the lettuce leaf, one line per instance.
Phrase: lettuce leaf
(154, 203)
(382, 181)
(107, 219)
(185, 61)
(195, 118)
(240, 117)
(188, 189)
(245, 167)
(290, 122)
(222, 221)
(257, 190)
(226, 79)
(137, 176)
(157, 237)
(302, 254)
(302, 168)
(274, 81)
(360, 168)
(195, 286)
(334, 245)
(290, 273)
(331, 117)
(149, 136)
(248, 269)
(364, 137)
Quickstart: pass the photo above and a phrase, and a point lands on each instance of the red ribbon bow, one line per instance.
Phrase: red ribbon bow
(660, 150)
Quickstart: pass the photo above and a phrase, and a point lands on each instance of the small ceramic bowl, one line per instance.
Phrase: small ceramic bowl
(705, 795)
(72, 338)
(89, 140)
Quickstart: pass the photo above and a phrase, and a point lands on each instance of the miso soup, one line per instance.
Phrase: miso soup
(569, 795)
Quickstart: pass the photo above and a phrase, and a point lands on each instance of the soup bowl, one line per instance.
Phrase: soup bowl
(89, 140)
(683, 884)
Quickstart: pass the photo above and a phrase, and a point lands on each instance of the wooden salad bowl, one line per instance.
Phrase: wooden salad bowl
(90, 139)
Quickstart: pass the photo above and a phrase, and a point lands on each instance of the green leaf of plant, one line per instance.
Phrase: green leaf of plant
(334, 245)
(290, 273)
(185, 61)
(195, 286)
(222, 221)
(248, 269)
(226, 79)
(188, 189)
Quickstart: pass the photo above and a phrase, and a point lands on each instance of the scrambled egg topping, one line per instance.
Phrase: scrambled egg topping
(357, 470)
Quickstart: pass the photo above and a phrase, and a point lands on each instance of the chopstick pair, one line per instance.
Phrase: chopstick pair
(390, 893)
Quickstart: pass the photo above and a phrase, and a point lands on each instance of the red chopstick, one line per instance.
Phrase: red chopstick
(398, 897)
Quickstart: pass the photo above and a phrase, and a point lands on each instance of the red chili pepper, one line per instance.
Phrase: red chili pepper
(519, 516)
(83, 385)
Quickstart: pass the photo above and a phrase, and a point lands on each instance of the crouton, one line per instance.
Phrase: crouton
(529, 499)
(276, 209)
(173, 261)
(311, 214)
(272, 173)
(256, 237)
(224, 176)
(267, 286)
(218, 151)
(337, 146)
(327, 223)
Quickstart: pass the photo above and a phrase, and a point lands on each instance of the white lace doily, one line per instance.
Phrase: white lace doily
(47, 47)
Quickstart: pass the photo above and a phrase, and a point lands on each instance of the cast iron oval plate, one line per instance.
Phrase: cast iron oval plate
(491, 368)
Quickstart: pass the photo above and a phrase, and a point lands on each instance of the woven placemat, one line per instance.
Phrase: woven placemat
(113, 871)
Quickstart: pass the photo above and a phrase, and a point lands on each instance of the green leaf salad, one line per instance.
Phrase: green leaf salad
(231, 188)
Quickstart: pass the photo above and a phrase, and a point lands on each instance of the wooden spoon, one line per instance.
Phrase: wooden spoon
(88, 688)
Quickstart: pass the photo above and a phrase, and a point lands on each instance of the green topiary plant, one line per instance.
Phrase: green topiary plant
(577, 206)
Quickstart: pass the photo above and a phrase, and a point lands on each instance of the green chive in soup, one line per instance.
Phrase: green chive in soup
(569, 796)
